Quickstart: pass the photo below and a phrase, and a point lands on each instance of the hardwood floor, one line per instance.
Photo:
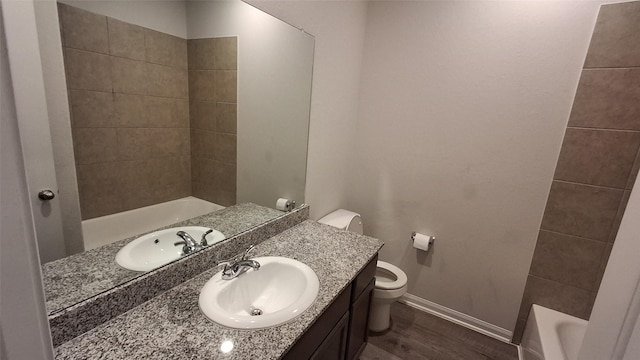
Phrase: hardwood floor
(416, 335)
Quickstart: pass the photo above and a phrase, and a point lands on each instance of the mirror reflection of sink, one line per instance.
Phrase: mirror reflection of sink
(276, 293)
(158, 248)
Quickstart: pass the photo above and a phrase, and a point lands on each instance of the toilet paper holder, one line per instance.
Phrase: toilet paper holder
(431, 239)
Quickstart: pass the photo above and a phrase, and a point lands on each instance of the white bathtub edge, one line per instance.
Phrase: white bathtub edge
(542, 339)
(457, 317)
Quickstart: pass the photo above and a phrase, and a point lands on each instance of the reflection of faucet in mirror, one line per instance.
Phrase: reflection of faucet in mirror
(190, 245)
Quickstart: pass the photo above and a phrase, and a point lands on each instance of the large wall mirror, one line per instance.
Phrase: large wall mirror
(169, 102)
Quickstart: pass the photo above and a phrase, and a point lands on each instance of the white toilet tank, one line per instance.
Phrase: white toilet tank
(344, 219)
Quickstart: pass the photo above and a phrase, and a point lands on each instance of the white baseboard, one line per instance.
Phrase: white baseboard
(457, 317)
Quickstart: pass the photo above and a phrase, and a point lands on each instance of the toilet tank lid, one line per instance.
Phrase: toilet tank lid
(340, 218)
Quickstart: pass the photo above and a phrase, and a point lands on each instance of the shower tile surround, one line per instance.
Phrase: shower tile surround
(596, 170)
(88, 314)
(134, 140)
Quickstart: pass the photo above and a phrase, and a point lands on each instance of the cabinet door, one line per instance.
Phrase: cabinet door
(334, 345)
(359, 322)
(305, 347)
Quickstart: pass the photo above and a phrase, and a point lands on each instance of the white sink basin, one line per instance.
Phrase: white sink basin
(281, 289)
(155, 249)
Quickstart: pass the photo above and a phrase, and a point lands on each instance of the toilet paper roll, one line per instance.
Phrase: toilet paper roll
(283, 204)
(422, 242)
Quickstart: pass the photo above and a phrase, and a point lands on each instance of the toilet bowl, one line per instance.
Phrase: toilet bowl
(391, 281)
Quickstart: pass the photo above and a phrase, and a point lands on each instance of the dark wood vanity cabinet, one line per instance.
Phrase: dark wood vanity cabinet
(359, 322)
(341, 332)
(334, 346)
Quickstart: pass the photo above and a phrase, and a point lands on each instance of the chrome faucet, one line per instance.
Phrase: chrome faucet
(190, 245)
(239, 267)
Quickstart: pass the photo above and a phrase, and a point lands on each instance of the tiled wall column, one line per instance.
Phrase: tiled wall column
(596, 170)
(213, 114)
(129, 102)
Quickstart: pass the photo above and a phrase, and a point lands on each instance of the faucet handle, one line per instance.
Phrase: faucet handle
(246, 252)
(203, 241)
(226, 264)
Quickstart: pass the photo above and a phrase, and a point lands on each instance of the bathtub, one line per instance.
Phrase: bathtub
(552, 335)
(109, 228)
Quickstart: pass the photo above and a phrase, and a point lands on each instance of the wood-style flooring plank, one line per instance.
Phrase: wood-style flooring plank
(417, 335)
(372, 352)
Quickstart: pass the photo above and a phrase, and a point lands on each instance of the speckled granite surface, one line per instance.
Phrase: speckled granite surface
(75, 278)
(171, 326)
(86, 315)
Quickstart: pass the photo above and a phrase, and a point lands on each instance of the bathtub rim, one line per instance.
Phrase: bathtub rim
(546, 347)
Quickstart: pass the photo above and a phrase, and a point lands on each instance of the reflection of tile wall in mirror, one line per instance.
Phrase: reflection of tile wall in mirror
(129, 102)
(213, 92)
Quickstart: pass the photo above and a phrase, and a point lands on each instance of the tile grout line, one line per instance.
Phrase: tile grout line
(590, 185)
(576, 236)
(602, 129)
(561, 283)
(622, 67)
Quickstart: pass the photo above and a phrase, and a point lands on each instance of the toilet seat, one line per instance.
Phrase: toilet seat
(401, 277)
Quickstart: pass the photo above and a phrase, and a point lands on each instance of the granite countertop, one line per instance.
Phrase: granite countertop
(171, 326)
(75, 278)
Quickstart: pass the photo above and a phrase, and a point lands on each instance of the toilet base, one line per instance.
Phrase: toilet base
(380, 315)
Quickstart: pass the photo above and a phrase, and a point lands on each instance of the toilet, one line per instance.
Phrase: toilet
(391, 281)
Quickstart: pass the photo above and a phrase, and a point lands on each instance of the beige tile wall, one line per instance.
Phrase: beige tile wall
(596, 170)
(213, 116)
(129, 101)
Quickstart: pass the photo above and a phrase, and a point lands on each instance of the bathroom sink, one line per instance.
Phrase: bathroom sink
(155, 249)
(280, 290)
